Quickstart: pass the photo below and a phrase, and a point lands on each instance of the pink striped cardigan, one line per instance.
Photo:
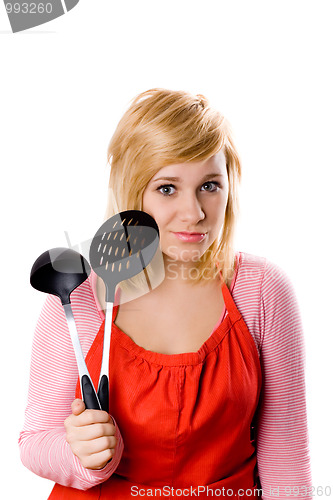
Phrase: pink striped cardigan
(265, 298)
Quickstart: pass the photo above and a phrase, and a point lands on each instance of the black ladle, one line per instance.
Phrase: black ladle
(59, 271)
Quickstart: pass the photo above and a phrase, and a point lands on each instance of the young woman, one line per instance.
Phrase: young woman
(207, 391)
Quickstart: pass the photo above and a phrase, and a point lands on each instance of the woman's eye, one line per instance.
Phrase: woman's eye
(216, 184)
(165, 188)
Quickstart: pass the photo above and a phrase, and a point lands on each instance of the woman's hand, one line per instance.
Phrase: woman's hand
(90, 434)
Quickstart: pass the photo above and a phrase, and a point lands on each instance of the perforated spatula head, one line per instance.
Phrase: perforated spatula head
(122, 247)
(59, 271)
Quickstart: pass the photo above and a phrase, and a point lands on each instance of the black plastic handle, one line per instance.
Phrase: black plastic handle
(103, 393)
(89, 394)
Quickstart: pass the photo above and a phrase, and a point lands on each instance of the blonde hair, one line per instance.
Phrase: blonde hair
(163, 127)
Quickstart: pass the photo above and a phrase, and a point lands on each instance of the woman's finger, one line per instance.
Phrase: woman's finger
(89, 432)
(97, 460)
(78, 406)
(89, 417)
(98, 445)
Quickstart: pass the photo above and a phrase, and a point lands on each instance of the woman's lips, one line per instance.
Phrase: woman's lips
(191, 237)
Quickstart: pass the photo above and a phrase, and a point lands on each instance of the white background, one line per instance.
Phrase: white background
(267, 65)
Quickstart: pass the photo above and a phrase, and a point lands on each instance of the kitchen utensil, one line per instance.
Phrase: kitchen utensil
(122, 247)
(59, 271)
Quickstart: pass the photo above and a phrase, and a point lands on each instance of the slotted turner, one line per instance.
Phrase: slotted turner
(122, 247)
(59, 271)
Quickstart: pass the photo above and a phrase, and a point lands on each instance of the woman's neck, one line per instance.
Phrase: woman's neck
(178, 281)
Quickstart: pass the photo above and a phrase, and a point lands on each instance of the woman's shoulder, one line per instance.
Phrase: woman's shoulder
(261, 273)
(83, 303)
(264, 295)
(249, 269)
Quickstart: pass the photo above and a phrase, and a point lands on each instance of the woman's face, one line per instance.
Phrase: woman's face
(193, 201)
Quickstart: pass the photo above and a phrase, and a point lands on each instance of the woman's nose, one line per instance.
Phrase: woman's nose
(191, 209)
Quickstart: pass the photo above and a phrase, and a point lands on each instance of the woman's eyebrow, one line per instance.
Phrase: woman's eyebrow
(177, 179)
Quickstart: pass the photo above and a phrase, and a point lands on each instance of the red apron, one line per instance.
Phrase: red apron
(186, 419)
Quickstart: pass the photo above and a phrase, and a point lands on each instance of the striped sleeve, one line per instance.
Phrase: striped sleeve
(53, 375)
(266, 300)
(282, 440)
